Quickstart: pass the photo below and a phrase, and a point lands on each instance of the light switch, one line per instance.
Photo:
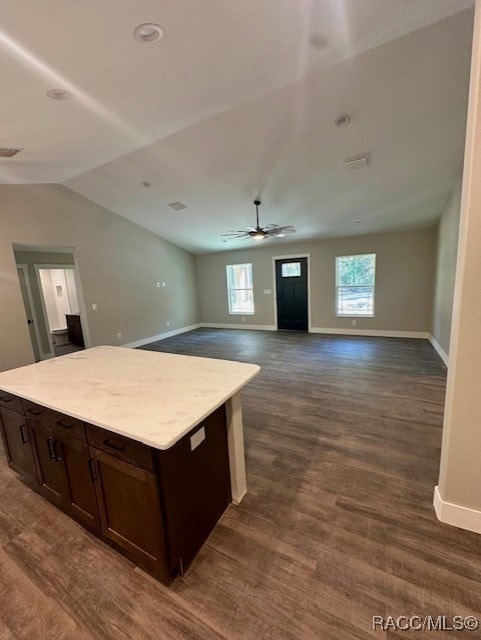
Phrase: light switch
(94, 307)
(158, 285)
(197, 438)
(163, 284)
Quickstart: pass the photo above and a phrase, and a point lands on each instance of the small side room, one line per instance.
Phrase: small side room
(239, 320)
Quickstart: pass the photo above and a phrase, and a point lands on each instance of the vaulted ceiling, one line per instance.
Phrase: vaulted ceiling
(238, 100)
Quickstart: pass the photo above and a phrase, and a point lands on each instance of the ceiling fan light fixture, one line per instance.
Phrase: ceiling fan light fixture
(258, 232)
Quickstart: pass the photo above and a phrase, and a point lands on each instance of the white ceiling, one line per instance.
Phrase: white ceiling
(238, 100)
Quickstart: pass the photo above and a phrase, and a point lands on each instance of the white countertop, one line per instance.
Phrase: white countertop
(151, 397)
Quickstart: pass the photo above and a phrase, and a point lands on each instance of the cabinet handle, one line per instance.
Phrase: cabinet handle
(93, 469)
(117, 447)
(57, 447)
(6, 398)
(64, 424)
(35, 412)
(51, 448)
(24, 434)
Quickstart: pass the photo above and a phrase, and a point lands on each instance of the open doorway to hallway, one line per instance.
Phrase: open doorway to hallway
(52, 297)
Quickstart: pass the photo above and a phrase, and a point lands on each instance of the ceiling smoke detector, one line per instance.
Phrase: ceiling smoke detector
(177, 206)
(148, 32)
(358, 162)
(8, 153)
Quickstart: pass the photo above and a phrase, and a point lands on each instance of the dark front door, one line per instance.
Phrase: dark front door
(291, 285)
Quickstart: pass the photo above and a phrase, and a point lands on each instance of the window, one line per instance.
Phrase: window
(239, 288)
(291, 269)
(355, 277)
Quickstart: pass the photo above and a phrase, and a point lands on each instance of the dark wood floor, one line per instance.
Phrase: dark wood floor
(342, 443)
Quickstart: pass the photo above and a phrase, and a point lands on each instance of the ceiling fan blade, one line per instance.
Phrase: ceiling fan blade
(287, 229)
(270, 226)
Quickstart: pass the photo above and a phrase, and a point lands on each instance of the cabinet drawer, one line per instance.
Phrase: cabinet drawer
(11, 402)
(63, 423)
(120, 447)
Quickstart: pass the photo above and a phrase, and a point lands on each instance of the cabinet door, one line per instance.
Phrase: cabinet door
(130, 511)
(73, 456)
(17, 440)
(51, 472)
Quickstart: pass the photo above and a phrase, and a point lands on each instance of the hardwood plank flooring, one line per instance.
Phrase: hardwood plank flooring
(343, 440)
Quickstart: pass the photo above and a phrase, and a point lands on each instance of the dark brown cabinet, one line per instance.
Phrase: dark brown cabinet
(17, 440)
(63, 463)
(157, 507)
(130, 509)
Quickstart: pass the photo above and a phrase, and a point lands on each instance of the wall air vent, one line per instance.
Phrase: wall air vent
(8, 153)
(177, 206)
(358, 162)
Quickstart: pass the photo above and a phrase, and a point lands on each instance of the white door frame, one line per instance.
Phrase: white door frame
(24, 268)
(274, 288)
(80, 300)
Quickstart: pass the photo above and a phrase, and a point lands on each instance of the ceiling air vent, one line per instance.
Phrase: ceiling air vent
(358, 162)
(177, 206)
(8, 153)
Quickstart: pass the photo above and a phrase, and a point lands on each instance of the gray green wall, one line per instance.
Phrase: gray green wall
(404, 281)
(119, 264)
(447, 251)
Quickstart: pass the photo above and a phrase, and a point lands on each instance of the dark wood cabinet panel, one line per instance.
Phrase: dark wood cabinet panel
(196, 487)
(59, 421)
(81, 500)
(51, 476)
(130, 509)
(121, 447)
(18, 447)
(11, 402)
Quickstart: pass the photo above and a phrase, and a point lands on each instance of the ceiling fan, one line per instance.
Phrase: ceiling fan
(258, 232)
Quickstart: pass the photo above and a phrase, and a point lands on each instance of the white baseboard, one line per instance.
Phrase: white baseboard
(443, 355)
(380, 333)
(252, 327)
(161, 336)
(455, 514)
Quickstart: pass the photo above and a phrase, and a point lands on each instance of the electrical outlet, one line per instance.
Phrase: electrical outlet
(94, 307)
(158, 285)
(354, 322)
(267, 291)
(119, 335)
(168, 323)
(163, 284)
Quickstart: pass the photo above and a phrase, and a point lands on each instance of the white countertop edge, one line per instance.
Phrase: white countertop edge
(126, 434)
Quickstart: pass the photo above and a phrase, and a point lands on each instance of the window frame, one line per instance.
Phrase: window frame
(338, 287)
(239, 313)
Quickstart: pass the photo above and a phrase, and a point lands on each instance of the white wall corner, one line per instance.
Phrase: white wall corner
(442, 354)
(161, 336)
(455, 514)
(379, 333)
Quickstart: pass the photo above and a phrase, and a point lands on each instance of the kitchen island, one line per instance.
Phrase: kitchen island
(145, 449)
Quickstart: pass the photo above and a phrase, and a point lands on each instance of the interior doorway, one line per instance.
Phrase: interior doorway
(52, 297)
(291, 279)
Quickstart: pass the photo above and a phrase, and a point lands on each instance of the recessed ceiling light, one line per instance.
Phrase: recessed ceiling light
(59, 94)
(148, 32)
(343, 120)
(145, 184)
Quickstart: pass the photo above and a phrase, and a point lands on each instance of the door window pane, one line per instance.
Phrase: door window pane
(291, 269)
